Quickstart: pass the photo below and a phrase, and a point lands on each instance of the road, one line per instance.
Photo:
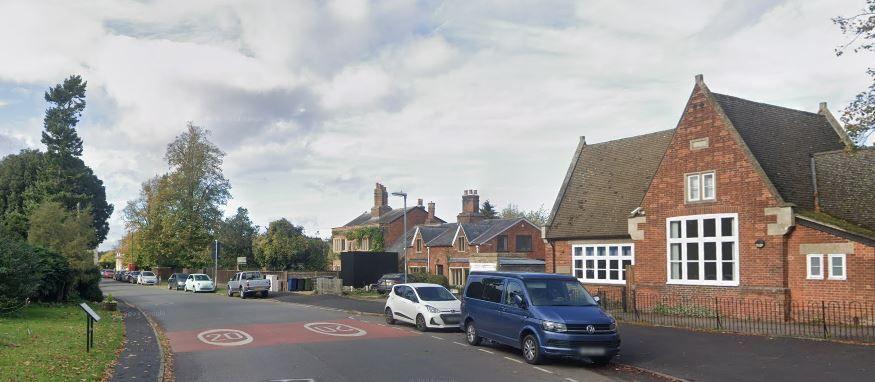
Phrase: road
(216, 338)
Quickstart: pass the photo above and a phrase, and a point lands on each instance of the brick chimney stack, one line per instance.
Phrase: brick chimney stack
(419, 202)
(431, 218)
(381, 201)
(470, 207)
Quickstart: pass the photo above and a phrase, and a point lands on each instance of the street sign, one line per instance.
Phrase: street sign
(90, 317)
(241, 260)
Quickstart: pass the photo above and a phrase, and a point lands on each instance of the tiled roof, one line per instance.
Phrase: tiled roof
(846, 185)
(782, 140)
(604, 183)
(388, 217)
(477, 233)
(445, 238)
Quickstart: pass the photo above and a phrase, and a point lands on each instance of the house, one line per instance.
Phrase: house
(474, 243)
(382, 225)
(741, 200)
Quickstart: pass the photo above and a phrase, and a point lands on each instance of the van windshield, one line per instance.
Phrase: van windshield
(558, 293)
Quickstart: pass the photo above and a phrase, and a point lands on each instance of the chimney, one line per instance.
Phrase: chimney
(470, 207)
(431, 218)
(381, 201)
(419, 202)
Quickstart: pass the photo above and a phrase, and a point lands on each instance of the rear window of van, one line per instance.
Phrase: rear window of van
(475, 290)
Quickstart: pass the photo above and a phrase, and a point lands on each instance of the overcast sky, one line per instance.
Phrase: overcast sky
(314, 102)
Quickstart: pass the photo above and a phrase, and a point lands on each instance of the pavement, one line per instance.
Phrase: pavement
(141, 359)
(216, 338)
(705, 356)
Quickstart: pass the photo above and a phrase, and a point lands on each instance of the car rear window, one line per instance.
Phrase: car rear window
(201, 278)
(475, 290)
(147, 274)
(252, 276)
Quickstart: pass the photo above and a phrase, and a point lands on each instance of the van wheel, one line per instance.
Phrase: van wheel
(531, 350)
(471, 334)
(390, 318)
(420, 323)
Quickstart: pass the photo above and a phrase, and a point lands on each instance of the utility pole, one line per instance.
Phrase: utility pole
(216, 264)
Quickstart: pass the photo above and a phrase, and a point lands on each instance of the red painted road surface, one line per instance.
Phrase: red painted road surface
(279, 334)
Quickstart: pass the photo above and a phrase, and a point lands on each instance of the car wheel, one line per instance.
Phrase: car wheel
(230, 293)
(600, 361)
(390, 317)
(420, 323)
(471, 334)
(531, 350)
(264, 294)
(242, 293)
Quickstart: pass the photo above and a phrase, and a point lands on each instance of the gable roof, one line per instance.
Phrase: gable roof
(782, 140)
(604, 183)
(388, 217)
(845, 184)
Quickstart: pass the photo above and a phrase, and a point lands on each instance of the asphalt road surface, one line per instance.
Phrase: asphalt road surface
(217, 338)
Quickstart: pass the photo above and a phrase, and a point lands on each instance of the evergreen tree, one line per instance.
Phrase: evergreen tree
(488, 211)
(67, 102)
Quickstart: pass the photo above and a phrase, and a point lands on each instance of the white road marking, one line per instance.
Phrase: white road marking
(459, 343)
(570, 379)
(225, 337)
(438, 338)
(515, 360)
(335, 329)
(542, 369)
(486, 351)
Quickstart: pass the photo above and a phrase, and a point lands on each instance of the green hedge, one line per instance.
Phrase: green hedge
(428, 278)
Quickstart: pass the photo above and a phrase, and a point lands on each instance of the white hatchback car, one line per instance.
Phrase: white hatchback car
(199, 282)
(147, 278)
(424, 305)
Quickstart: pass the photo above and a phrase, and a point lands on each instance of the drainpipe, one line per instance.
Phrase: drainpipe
(428, 258)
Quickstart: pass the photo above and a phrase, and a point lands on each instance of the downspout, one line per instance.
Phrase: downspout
(814, 184)
(428, 258)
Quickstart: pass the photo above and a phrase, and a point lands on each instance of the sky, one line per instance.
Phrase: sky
(315, 101)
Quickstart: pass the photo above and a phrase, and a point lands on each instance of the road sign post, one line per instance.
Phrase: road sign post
(90, 317)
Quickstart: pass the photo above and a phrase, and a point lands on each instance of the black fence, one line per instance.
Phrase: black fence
(853, 321)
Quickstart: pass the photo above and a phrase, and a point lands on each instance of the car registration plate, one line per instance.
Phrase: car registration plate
(591, 351)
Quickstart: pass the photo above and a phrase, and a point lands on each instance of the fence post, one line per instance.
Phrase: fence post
(717, 310)
(823, 318)
(635, 304)
(624, 300)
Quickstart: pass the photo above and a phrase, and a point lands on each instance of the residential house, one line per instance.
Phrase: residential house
(475, 243)
(741, 200)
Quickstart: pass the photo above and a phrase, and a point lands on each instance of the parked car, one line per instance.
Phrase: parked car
(132, 277)
(244, 283)
(199, 282)
(147, 278)
(177, 281)
(107, 273)
(542, 314)
(424, 305)
(120, 275)
(385, 283)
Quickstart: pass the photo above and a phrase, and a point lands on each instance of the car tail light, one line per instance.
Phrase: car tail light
(247, 283)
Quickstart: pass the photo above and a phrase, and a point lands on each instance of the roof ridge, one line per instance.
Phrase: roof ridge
(839, 151)
(769, 105)
(630, 137)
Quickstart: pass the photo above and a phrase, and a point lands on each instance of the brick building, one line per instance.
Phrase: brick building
(388, 220)
(474, 243)
(741, 200)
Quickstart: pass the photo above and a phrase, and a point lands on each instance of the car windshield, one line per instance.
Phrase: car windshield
(434, 294)
(147, 274)
(202, 277)
(558, 293)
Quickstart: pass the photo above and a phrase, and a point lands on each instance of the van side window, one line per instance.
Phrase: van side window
(475, 290)
(513, 286)
(492, 289)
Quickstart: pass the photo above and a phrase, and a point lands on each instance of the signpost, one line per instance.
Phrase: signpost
(90, 318)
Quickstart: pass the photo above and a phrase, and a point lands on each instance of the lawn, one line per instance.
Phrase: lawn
(47, 342)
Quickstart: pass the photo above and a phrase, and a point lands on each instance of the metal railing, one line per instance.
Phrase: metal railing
(841, 320)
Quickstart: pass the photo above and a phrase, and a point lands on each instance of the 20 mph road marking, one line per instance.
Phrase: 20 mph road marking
(225, 337)
(335, 329)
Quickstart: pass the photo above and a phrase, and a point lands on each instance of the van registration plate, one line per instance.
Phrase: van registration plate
(592, 351)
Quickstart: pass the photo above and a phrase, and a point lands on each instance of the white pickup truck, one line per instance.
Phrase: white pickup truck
(244, 283)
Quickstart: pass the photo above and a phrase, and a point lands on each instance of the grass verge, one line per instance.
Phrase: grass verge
(47, 343)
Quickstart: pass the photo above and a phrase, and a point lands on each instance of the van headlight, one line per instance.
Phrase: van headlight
(551, 326)
(432, 309)
(613, 326)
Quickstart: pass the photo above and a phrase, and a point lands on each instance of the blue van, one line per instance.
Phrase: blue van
(543, 314)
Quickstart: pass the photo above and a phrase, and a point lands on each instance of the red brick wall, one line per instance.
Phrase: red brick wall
(739, 189)
(858, 286)
(395, 229)
(563, 256)
(521, 228)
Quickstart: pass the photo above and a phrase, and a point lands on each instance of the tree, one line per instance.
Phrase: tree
(859, 115)
(68, 102)
(152, 240)
(68, 233)
(18, 174)
(538, 217)
(282, 247)
(488, 211)
(107, 259)
(236, 234)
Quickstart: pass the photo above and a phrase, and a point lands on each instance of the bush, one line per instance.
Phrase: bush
(87, 284)
(18, 265)
(34, 272)
(428, 278)
(54, 276)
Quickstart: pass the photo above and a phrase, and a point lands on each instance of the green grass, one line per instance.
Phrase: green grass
(47, 343)
(363, 293)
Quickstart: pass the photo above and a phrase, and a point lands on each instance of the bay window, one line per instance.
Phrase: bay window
(703, 250)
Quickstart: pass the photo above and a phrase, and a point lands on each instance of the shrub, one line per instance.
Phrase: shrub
(18, 266)
(87, 284)
(428, 278)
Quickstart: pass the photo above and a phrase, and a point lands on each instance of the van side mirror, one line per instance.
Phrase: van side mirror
(519, 301)
(597, 299)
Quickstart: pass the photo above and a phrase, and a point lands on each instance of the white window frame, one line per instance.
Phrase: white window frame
(808, 274)
(683, 240)
(699, 195)
(596, 257)
(453, 280)
(415, 269)
(842, 256)
(365, 244)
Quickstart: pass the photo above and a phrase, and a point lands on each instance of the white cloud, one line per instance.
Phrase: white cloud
(315, 101)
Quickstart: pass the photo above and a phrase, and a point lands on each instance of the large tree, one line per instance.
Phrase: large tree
(282, 247)
(236, 234)
(65, 232)
(18, 175)
(539, 217)
(859, 115)
(151, 240)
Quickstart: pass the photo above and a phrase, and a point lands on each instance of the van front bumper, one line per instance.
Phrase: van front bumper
(562, 344)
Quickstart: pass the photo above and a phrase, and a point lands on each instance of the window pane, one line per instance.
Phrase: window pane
(710, 271)
(590, 264)
(692, 270)
(727, 252)
(675, 228)
(524, 243)
(708, 186)
(726, 227)
(838, 266)
(615, 275)
(675, 271)
(602, 272)
(710, 251)
(590, 274)
(627, 251)
(615, 264)
(814, 265)
(578, 273)
(601, 251)
(626, 263)
(578, 263)
(709, 228)
(727, 271)
(692, 251)
(675, 252)
(692, 228)
(589, 251)
(693, 187)
(613, 251)
(578, 251)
